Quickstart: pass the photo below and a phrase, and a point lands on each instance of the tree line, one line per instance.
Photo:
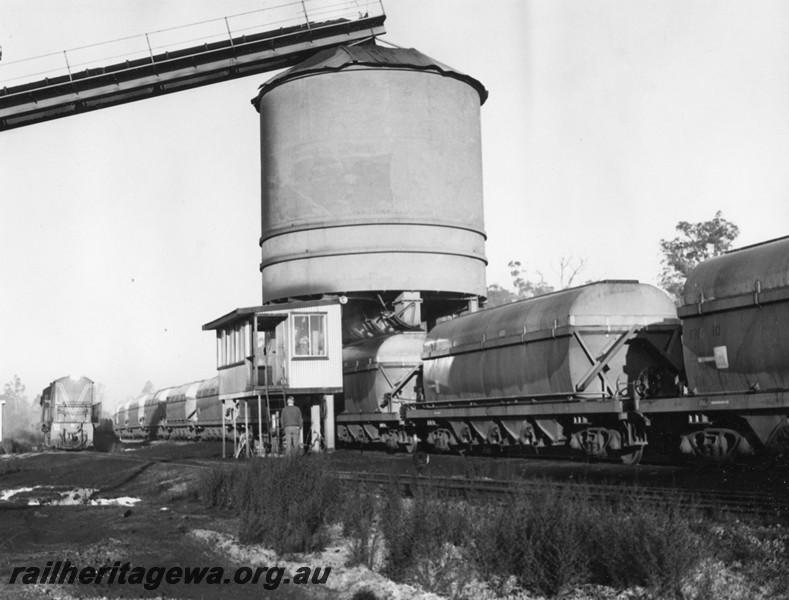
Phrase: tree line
(695, 243)
(21, 417)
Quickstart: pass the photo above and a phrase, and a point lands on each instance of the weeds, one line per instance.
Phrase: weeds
(764, 556)
(545, 540)
(646, 545)
(217, 488)
(548, 540)
(541, 538)
(360, 524)
(424, 539)
(283, 503)
(10, 465)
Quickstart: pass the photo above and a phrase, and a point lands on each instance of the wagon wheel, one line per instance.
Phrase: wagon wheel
(465, 439)
(649, 383)
(441, 440)
(392, 441)
(632, 456)
(411, 443)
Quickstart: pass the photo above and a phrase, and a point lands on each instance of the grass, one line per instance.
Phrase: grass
(423, 536)
(10, 465)
(283, 503)
(546, 540)
(360, 523)
(762, 553)
(541, 539)
(217, 488)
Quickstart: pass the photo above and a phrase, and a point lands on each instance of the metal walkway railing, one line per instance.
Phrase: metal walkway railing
(133, 68)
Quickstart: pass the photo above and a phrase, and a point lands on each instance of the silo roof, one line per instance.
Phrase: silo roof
(367, 55)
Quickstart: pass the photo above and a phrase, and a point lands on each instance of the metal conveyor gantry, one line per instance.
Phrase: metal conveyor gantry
(102, 75)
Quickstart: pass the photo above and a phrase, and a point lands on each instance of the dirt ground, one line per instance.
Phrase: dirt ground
(159, 530)
(127, 506)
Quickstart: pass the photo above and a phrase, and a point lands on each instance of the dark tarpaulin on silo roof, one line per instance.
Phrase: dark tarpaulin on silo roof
(367, 55)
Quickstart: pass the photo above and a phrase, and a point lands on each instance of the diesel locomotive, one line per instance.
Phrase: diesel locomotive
(68, 413)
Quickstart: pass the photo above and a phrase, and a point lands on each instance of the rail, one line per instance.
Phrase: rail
(706, 500)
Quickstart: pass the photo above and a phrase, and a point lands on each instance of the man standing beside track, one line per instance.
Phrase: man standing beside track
(291, 422)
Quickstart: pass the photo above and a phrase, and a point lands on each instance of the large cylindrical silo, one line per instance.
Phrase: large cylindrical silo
(372, 178)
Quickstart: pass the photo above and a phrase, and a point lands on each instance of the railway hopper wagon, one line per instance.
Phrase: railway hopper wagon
(181, 411)
(125, 418)
(380, 376)
(119, 417)
(735, 320)
(192, 411)
(135, 417)
(566, 370)
(153, 415)
(237, 414)
(68, 414)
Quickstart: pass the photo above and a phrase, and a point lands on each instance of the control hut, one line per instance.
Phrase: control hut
(267, 353)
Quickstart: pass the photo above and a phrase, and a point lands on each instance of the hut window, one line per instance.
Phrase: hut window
(309, 337)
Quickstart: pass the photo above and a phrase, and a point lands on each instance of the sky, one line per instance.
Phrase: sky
(124, 230)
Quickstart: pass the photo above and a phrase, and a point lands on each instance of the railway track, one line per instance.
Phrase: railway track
(709, 501)
(703, 500)
(198, 463)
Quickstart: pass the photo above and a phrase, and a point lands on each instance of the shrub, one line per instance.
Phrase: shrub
(762, 553)
(541, 538)
(285, 503)
(359, 523)
(218, 487)
(424, 538)
(546, 539)
(552, 540)
(642, 544)
(10, 465)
